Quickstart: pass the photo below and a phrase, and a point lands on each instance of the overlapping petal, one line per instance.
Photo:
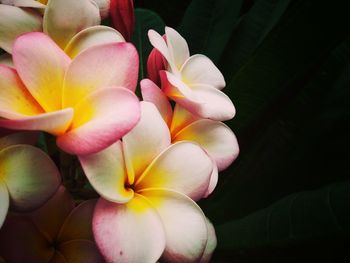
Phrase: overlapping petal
(178, 48)
(41, 64)
(92, 36)
(152, 93)
(33, 181)
(211, 243)
(15, 100)
(18, 138)
(107, 174)
(123, 18)
(113, 64)
(15, 21)
(64, 18)
(199, 69)
(183, 167)
(215, 137)
(143, 143)
(29, 3)
(155, 63)
(101, 119)
(184, 225)
(6, 59)
(131, 232)
(79, 251)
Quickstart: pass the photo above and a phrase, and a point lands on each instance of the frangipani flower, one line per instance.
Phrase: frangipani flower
(87, 102)
(214, 136)
(27, 175)
(147, 186)
(193, 82)
(62, 19)
(57, 232)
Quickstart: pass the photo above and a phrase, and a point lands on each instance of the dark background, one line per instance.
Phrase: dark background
(287, 67)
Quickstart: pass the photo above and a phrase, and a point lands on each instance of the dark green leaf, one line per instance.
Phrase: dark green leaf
(250, 32)
(208, 24)
(294, 219)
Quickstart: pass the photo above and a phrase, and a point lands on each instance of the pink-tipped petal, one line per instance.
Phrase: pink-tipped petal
(131, 232)
(5, 202)
(92, 36)
(21, 241)
(155, 63)
(30, 175)
(100, 120)
(215, 137)
(15, 21)
(14, 96)
(123, 17)
(178, 48)
(145, 141)
(199, 69)
(152, 93)
(201, 100)
(64, 18)
(113, 64)
(211, 243)
(104, 6)
(41, 64)
(49, 217)
(184, 224)
(78, 225)
(80, 251)
(107, 174)
(183, 167)
(55, 123)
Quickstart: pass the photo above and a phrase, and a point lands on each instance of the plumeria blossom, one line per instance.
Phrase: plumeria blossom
(193, 82)
(87, 102)
(57, 232)
(215, 137)
(148, 186)
(81, 32)
(27, 175)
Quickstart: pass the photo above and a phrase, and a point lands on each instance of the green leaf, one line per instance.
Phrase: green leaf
(296, 218)
(145, 20)
(208, 24)
(250, 32)
(300, 144)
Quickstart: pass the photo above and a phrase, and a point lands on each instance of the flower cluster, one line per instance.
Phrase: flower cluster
(150, 161)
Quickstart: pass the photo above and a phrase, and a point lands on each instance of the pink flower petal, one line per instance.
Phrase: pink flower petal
(41, 64)
(214, 178)
(131, 232)
(50, 217)
(29, 3)
(181, 119)
(15, 100)
(30, 176)
(145, 141)
(183, 167)
(178, 48)
(64, 18)
(215, 137)
(113, 64)
(152, 93)
(107, 174)
(15, 21)
(123, 18)
(100, 120)
(56, 122)
(92, 36)
(199, 69)
(155, 63)
(184, 224)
